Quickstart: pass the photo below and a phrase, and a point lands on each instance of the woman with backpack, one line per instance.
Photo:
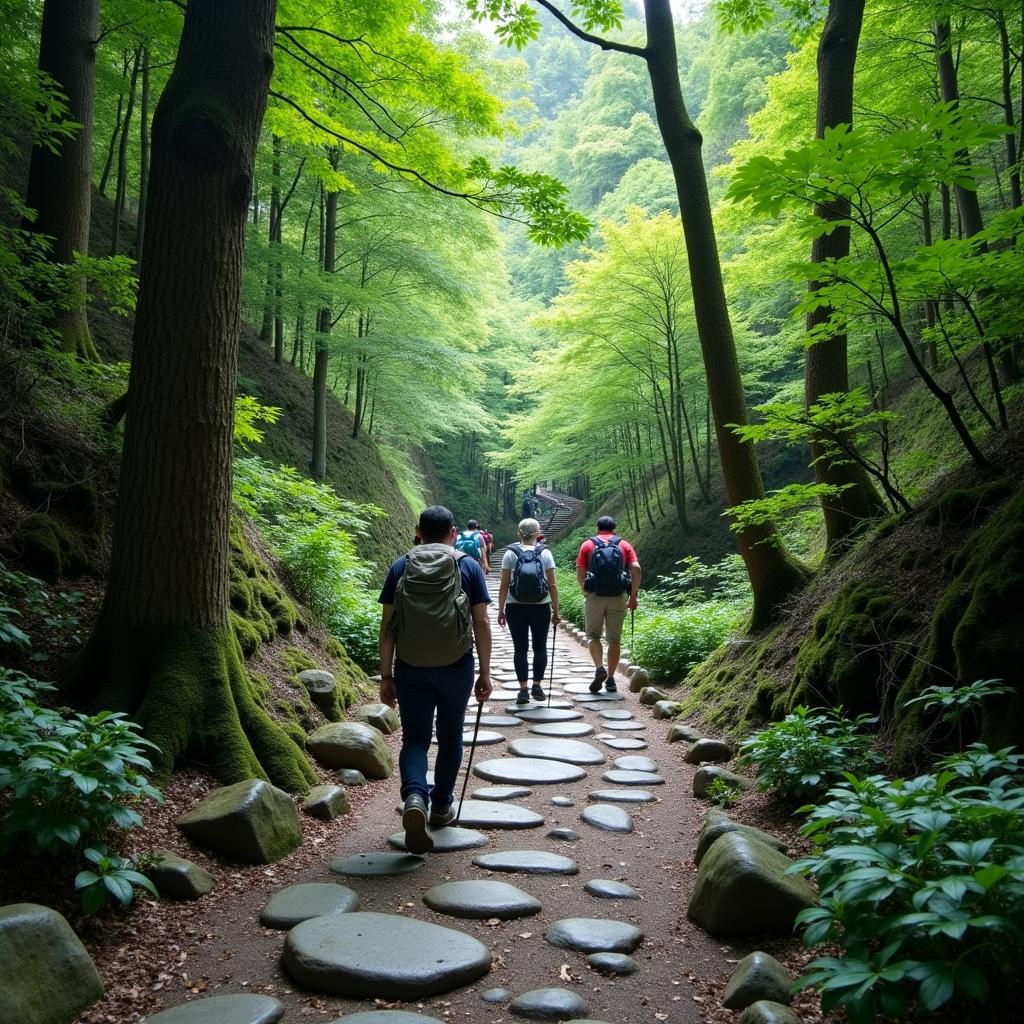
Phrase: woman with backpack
(528, 604)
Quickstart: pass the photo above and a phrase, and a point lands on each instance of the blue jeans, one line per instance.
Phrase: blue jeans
(421, 692)
(524, 621)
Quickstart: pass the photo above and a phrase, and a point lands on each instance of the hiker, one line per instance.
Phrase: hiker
(470, 541)
(488, 542)
(434, 604)
(528, 603)
(528, 506)
(607, 570)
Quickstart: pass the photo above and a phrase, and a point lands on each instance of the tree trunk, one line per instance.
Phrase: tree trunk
(1006, 77)
(59, 184)
(122, 158)
(163, 650)
(774, 575)
(108, 163)
(140, 223)
(328, 241)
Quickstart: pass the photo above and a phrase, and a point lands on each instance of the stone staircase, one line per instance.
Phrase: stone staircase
(566, 512)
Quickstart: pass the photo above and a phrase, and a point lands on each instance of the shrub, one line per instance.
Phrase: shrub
(808, 751)
(670, 642)
(922, 885)
(109, 875)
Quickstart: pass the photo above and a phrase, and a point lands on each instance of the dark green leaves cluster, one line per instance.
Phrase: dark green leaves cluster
(109, 875)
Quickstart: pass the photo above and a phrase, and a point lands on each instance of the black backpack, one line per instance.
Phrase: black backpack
(529, 583)
(606, 571)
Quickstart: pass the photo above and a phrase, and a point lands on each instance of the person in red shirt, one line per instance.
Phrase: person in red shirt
(607, 570)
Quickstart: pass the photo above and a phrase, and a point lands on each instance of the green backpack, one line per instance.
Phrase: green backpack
(432, 624)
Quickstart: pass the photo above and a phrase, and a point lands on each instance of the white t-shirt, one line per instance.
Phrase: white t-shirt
(547, 560)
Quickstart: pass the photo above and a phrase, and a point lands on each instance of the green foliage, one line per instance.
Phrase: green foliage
(724, 794)
(808, 751)
(670, 642)
(249, 412)
(109, 875)
(956, 701)
(58, 611)
(922, 886)
(67, 778)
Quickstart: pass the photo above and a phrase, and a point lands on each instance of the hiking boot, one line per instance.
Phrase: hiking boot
(414, 821)
(538, 694)
(600, 675)
(523, 697)
(441, 816)
(610, 686)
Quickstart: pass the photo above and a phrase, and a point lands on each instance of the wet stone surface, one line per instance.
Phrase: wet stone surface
(446, 840)
(481, 898)
(607, 817)
(569, 751)
(527, 862)
(618, 777)
(529, 770)
(299, 903)
(609, 889)
(376, 865)
(594, 935)
(636, 763)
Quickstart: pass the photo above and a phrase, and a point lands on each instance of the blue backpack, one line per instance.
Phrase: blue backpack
(529, 582)
(469, 542)
(606, 571)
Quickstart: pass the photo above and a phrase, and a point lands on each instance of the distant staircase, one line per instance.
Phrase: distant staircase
(566, 512)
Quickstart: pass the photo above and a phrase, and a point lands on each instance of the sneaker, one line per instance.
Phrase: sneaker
(414, 821)
(610, 686)
(441, 816)
(523, 697)
(600, 675)
(538, 694)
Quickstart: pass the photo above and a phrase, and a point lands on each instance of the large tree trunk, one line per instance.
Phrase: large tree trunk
(163, 649)
(826, 369)
(774, 575)
(140, 224)
(60, 183)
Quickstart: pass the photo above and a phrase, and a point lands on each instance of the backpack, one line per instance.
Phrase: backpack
(529, 582)
(469, 543)
(432, 625)
(606, 571)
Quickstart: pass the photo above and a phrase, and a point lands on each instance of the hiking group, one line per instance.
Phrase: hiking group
(434, 614)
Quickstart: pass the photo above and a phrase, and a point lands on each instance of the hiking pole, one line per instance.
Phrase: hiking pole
(551, 680)
(469, 766)
(632, 630)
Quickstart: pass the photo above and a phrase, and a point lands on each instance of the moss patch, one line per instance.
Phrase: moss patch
(48, 549)
(351, 679)
(260, 608)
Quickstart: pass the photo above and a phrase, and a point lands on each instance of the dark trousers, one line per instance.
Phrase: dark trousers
(526, 621)
(421, 692)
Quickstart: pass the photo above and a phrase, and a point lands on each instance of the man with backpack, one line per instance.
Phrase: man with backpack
(607, 569)
(434, 604)
(528, 603)
(470, 541)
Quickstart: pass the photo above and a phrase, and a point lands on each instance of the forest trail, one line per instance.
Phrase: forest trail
(655, 859)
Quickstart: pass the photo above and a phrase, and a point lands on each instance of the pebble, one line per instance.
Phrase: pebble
(552, 1004)
(612, 963)
(350, 776)
(567, 835)
(563, 801)
(495, 995)
(609, 889)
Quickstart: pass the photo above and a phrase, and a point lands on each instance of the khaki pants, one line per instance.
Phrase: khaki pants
(607, 613)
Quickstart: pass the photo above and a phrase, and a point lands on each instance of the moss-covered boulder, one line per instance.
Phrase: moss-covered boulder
(326, 802)
(48, 549)
(47, 976)
(704, 776)
(757, 976)
(260, 609)
(352, 745)
(765, 1011)
(251, 821)
(321, 686)
(177, 878)
(380, 716)
(650, 695)
(720, 824)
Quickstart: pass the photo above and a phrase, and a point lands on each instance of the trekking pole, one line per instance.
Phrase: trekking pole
(551, 680)
(632, 630)
(469, 766)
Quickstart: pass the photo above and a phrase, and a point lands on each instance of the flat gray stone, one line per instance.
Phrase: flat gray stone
(612, 963)
(497, 814)
(607, 817)
(350, 777)
(552, 714)
(618, 777)
(563, 801)
(636, 763)
(484, 738)
(48, 977)
(527, 862)
(706, 774)
(244, 1008)
(505, 721)
(500, 792)
(540, 705)
(569, 751)
(625, 743)
(481, 898)
(662, 709)
(251, 821)
(380, 716)
(679, 733)
(351, 745)
(766, 1012)
(446, 840)
(376, 865)
(326, 802)
(386, 1017)
(622, 796)
(615, 714)
(566, 835)
(609, 889)
(718, 826)
(289, 907)
(578, 687)
(594, 935)
(532, 771)
(600, 698)
(176, 878)
(562, 729)
(623, 726)
(704, 751)
(320, 686)
(756, 977)
(495, 995)
(552, 1004)
(341, 954)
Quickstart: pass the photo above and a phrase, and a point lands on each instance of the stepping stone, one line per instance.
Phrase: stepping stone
(496, 814)
(481, 898)
(299, 903)
(625, 743)
(607, 817)
(579, 687)
(495, 995)
(569, 751)
(612, 963)
(500, 792)
(552, 714)
(495, 720)
(326, 802)
(563, 801)
(548, 1004)
(527, 862)
(593, 935)
(679, 733)
(529, 770)
(176, 878)
(636, 763)
(562, 729)
(599, 698)
(565, 835)
(708, 750)
(385, 1017)
(615, 714)
(350, 777)
(244, 1008)
(341, 954)
(622, 796)
(484, 738)
(376, 865)
(446, 840)
(623, 726)
(608, 889)
(618, 777)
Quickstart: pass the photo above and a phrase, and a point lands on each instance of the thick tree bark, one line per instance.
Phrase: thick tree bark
(321, 358)
(59, 184)
(163, 649)
(826, 369)
(140, 224)
(774, 574)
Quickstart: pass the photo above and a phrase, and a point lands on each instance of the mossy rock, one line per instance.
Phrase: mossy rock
(48, 549)
(967, 506)
(260, 608)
